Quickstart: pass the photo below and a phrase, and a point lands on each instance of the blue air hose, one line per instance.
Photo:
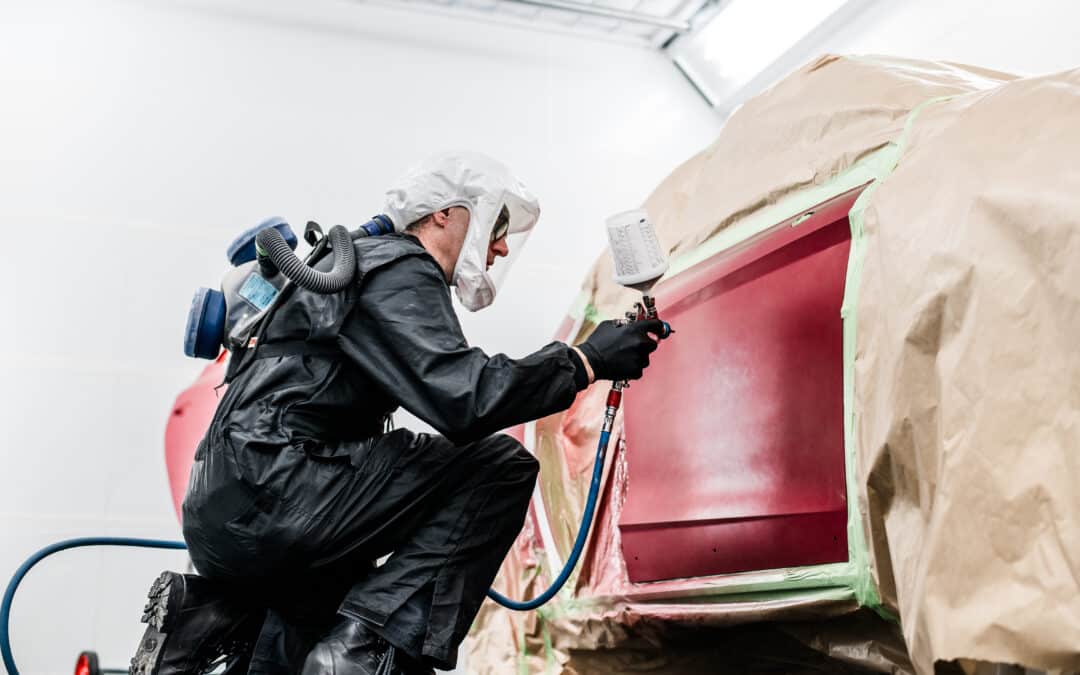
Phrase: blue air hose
(644, 310)
(9, 594)
(579, 543)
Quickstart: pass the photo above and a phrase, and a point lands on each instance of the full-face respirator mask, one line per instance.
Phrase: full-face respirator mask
(486, 189)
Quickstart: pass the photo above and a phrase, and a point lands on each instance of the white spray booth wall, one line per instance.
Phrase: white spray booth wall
(137, 138)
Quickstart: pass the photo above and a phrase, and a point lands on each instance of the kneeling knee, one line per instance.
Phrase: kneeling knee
(513, 455)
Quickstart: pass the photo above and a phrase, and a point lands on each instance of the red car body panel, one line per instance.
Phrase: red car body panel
(735, 447)
(190, 418)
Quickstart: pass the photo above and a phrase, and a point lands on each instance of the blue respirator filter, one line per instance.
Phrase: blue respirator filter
(205, 325)
(207, 319)
(242, 249)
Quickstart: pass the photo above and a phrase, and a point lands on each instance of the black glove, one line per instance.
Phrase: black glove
(622, 352)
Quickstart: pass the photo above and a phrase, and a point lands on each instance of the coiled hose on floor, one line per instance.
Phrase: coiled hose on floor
(13, 585)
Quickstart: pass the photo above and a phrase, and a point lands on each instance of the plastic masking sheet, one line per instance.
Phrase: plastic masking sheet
(961, 309)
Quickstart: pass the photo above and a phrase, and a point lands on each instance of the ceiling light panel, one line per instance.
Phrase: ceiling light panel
(576, 18)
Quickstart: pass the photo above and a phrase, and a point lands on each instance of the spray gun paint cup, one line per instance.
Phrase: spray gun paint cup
(639, 260)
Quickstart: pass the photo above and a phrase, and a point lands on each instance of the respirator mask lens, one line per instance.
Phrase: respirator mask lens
(502, 225)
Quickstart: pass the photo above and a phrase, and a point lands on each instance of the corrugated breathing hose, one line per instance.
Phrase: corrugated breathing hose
(271, 245)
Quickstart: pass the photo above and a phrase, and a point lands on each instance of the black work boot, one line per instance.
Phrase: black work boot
(352, 648)
(192, 624)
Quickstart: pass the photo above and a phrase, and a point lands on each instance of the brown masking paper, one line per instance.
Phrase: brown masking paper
(965, 317)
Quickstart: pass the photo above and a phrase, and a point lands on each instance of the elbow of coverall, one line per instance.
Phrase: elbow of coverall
(465, 425)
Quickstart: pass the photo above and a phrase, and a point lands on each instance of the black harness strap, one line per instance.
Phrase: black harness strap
(296, 348)
(240, 360)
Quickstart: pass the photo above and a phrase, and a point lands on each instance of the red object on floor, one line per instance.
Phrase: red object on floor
(188, 422)
(735, 447)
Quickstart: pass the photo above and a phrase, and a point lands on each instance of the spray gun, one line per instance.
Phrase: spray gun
(639, 264)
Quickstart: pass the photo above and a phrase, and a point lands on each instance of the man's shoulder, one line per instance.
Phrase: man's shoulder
(401, 250)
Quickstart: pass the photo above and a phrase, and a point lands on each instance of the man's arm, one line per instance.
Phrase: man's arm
(403, 333)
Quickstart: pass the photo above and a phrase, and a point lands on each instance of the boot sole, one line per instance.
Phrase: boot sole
(164, 599)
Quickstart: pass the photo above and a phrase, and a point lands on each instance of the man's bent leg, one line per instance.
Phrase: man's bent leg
(459, 509)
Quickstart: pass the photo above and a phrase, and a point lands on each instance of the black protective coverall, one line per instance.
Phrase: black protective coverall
(296, 488)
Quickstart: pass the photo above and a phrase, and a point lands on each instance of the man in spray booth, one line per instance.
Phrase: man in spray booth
(299, 485)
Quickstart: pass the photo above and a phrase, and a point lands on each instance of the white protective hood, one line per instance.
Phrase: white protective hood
(481, 185)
